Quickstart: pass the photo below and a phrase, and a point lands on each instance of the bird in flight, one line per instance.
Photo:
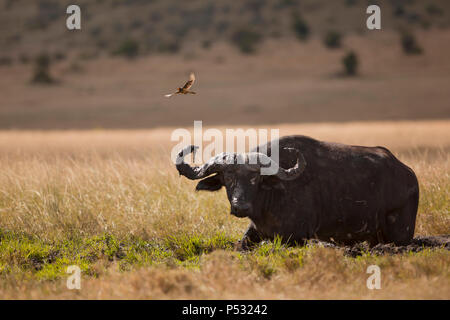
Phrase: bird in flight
(185, 88)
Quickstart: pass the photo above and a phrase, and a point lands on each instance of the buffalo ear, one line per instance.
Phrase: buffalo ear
(213, 183)
(272, 182)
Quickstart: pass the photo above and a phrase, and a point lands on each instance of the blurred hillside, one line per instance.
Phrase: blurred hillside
(169, 26)
(257, 62)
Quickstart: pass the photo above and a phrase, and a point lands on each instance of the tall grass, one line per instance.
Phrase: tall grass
(112, 203)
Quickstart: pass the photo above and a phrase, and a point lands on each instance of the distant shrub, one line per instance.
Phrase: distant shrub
(128, 48)
(95, 31)
(41, 70)
(169, 47)
(101, 43)
(14, 38)
(75, 67)
(350, 3)
(276, 34)
(156, 16)
(409, 43)
(332, 39)
(48, 10)
(136, 24)
(433, 9)
(426, 24)
(118, 27)
(206, 44)
(246, 40)
(179, 30)
(413, 17)
(59, 56)
(5, 61)
(350, 62)
(23, 58)
(285, 3)
(88, 54)
(300, 27)
(222, 26)
(399, 11)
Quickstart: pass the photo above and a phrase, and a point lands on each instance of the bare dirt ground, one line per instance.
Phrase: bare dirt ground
(417, 244)
(286, 82)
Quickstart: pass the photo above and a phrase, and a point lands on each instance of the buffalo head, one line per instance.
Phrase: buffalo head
(240, 174)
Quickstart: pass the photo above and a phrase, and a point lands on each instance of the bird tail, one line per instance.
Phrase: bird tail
(169, 95)
(192, 92)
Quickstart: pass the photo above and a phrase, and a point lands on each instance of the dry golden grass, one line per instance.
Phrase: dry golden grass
(325, 274)
(112, 202)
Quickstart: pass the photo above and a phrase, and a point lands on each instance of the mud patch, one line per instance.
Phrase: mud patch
(417, 244)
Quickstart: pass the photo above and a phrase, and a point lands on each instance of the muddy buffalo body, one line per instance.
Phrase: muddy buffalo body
(328, 191)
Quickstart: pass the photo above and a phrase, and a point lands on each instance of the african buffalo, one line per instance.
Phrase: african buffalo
(330, 191)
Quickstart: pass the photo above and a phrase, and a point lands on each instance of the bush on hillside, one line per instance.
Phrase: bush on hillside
(332, 39)
(41, 73)
(300, 27)
(350, 62)
(409, 44)
(128, 48)
(246, 40)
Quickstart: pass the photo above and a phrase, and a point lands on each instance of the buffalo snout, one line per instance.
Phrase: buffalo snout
(240, 208)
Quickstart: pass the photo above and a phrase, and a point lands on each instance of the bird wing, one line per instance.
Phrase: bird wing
(190, 82)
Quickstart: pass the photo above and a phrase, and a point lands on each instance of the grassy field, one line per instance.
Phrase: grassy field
(111, 202)
(85, 171)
